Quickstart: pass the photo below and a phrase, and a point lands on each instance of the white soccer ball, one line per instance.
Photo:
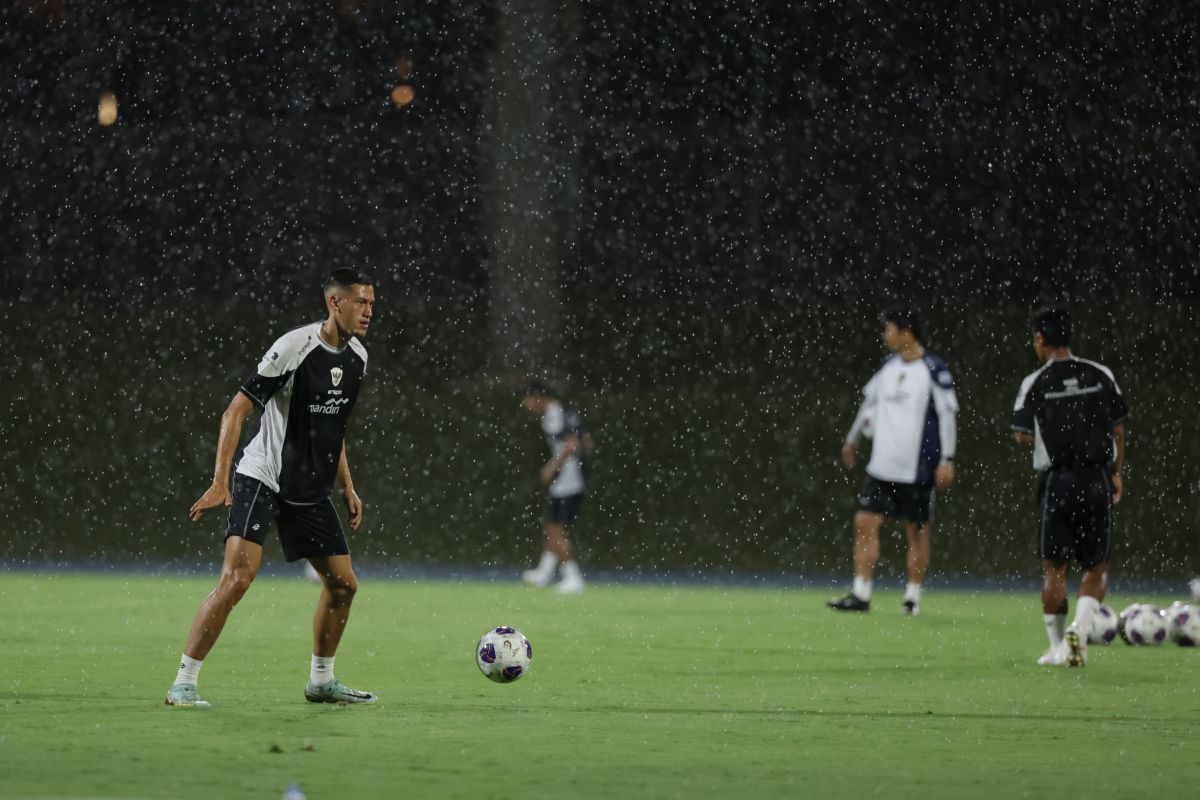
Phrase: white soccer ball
(503, 654)
(1144, 624)
(1104, 626)
(1183, 625)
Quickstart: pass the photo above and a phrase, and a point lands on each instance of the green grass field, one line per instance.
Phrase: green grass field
(635, 691)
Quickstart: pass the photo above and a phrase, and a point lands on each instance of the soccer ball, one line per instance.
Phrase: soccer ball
(503, 654)
(1144, 624)
(1183, 622)
(1104, 626)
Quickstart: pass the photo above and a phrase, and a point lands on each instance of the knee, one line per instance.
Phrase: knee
(343, 587)
(235, 583)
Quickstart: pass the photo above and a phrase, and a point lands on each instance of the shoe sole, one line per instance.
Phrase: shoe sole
(176, 704)
(1074, 651)
(341, 702)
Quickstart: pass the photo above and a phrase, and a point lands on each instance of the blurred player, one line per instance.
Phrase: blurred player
(911, 406)
(1072, 412)
(306, 385)
(565, 477)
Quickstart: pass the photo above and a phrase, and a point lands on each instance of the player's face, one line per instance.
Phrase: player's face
(1039, 346)
(531, 403)
(891, 336)
(352, 310)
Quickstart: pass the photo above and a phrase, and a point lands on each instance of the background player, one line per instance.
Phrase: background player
(306, 385)
(911, 405)
(565, 477)
(1072, 412)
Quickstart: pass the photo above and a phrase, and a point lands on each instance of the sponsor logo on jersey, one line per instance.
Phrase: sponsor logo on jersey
(331, 406)
(336, 375)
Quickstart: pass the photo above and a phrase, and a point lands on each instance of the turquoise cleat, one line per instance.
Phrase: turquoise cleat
(334, 692)
(185, 696)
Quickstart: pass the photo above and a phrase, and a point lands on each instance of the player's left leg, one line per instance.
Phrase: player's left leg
(916, 564)
(339, 584)
(1093, 540)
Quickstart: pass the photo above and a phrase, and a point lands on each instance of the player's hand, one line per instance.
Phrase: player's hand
(354, 507)
(547, 475)
(849, 454)
(1118, 485)
(943, 476)
(217, 495)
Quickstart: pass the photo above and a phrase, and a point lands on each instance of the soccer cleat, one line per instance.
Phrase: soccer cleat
(535, 578)
(1076, 648)
(911, 608)
(850, 602)
(334, 692)
(1053, 657)
(569, 586)
(185, 695)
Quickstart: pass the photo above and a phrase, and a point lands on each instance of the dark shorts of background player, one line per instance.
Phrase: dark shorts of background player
(308, 531)
(564, 510)
(1075, 515)
(910, 502)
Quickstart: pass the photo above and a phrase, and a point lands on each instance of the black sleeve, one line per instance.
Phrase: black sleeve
(1024, 418)
(261, 388)
(1117, 409)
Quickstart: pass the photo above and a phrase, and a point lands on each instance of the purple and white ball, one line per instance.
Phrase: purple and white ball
(1144, 624)
(1183, 624)
(503, 654)
(1104, 626)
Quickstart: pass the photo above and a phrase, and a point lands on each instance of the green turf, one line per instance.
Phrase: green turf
(652, 692)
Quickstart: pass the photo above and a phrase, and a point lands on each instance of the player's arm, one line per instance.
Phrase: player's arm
(240, 407)
(1118, 482)
(1024, 418)
(855, 434)
(354, 506)
(946, 405)
(1022, 437)
(550, 470)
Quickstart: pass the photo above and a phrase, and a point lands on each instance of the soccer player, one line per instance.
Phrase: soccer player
(911, 405)
(1072, 412)
(565, 477)
(306, 385)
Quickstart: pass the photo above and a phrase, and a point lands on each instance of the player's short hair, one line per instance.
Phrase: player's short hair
(906, 319)
(342, 279)
(538, 390)
(1053, 322)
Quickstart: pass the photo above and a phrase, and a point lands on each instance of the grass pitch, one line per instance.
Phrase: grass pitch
(635, 691)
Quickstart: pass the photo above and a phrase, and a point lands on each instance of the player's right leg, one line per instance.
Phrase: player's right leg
(1054, 611)
(242, 560)
(866, 555)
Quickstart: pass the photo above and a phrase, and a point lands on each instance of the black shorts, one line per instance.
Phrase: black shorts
(911, 502)
(1075, 515)
(564, 510)
(305, 531)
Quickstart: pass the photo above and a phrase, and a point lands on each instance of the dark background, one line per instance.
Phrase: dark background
(732, 191)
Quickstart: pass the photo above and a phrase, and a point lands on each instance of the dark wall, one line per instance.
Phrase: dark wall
(745, 209)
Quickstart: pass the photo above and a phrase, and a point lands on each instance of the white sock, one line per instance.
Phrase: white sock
(862, 588)
(570, 571)
(912, 591)
(189, 670)
(1085, 610)
(1056, 624)
(322, 670)
(546, 565)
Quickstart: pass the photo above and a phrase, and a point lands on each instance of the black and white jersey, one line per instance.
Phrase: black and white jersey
(306, 390)
(558, 425)
(1071, 406)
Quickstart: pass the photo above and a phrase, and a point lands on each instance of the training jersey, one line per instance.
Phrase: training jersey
(911, 407)
(1070, 405)
(306, 390)
(559, 424)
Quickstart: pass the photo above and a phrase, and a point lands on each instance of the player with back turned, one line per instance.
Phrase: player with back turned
(1072, 412)
(306, 385)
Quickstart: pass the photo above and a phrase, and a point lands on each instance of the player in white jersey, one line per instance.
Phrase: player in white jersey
(911, 406)
(565, 477)
(306, 386)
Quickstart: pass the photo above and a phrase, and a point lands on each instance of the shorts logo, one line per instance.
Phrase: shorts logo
(336, 375)
(255, 526)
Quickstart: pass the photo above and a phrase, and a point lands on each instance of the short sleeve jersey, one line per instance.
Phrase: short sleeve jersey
(914, 408)
(306, 390)
(1071, 406)
(558, 424)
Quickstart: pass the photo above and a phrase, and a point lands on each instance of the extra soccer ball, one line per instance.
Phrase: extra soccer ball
(1104, 626)
(1183, 625)
(1144, 624)
(503, 654)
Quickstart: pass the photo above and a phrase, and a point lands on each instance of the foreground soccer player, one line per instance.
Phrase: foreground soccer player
(912, 404)
(306, 385)
(1072, 412)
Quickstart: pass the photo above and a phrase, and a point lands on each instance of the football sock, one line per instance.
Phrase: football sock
(862, 588)
(322, 670)
(912, 591)
(189, 670)
(570, 570)
(547, 564)
(1056, 625)
(1085, 610)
